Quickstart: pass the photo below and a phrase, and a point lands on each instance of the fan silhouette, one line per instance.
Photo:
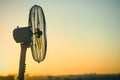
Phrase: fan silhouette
(33, 36)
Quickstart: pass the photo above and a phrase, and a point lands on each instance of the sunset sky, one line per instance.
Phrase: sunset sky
(83, 36)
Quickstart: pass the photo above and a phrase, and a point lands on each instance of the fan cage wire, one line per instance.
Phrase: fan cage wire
(38, 55)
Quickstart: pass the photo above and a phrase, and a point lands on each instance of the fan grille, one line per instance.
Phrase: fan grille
(38, 44)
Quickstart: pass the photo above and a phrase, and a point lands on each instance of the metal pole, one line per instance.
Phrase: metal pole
(22, 61)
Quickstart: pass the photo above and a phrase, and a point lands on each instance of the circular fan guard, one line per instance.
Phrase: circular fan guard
(38, 25)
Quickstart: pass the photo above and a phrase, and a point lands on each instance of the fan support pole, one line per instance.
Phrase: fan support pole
(22, 61)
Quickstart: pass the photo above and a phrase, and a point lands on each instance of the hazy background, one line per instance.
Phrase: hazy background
(83, 36)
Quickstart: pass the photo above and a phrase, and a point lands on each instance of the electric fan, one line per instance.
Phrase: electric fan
(34, 36)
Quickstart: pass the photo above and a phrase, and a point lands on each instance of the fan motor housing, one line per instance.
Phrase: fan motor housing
(22, 35)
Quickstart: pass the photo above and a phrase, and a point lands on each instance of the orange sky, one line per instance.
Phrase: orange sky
(83, 37)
